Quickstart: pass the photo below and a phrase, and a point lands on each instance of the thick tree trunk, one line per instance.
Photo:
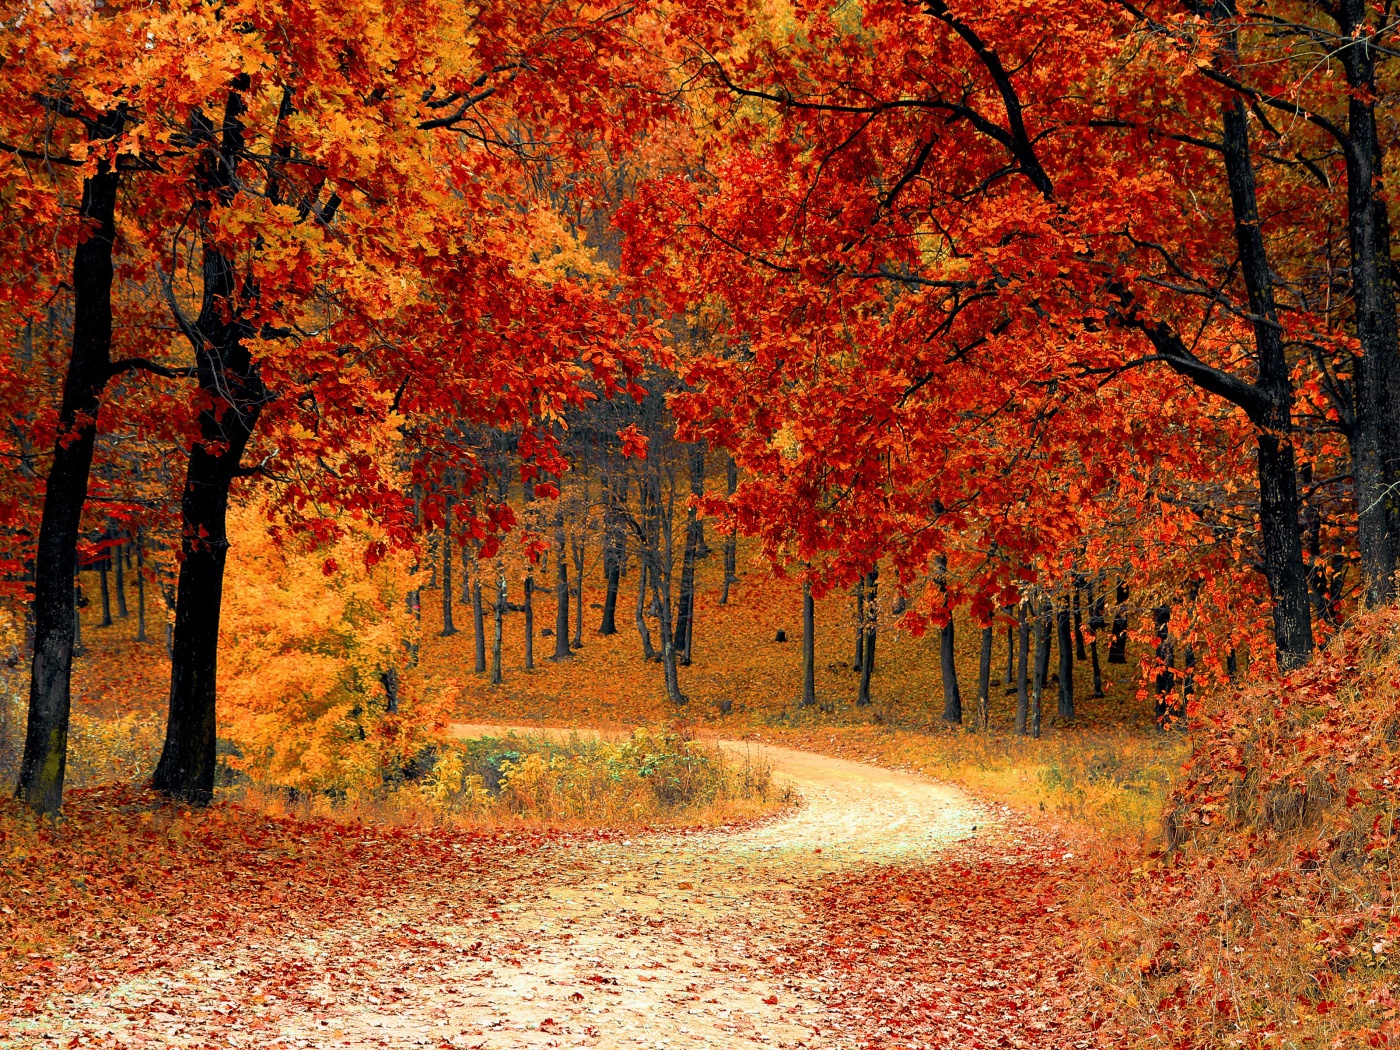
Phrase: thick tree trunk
(46, 735)
(448, 626)
(952, 694)
(1023, 700)
(230, 379)
(478, 621)
(1279, 504)
(731, 541)
(1376, 429)
(867, 663)
(1065, 631)
(984, 681)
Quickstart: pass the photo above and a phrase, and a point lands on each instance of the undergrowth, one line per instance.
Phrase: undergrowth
(1269, 915)
(651, 777)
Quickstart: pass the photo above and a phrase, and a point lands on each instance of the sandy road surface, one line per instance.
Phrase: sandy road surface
(665, 941)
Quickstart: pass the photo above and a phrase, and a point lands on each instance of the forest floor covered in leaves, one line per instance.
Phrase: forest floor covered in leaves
(848, 922)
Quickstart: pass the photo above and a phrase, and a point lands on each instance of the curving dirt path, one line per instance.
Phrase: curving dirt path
(702, 939)
(671, 941)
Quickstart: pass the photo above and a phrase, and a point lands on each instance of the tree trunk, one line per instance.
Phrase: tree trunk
(65, 491)
(1023, 700)
(809, 646)
(1279, 504)
(859, 663)
(731, 541)
(530, 619)
(140, 588)
(122, 611)
(448, 627)
(478, 621)
(579, 552)
(867, 663)
(102, 564)
(1165, 684)
(1118, 644)
(1042, 664)
(1096, 625)
(230, 379)
(1066, 640)
(561, 592)
(648, 652)
(952, 695)
(693, 531)
(1079, 653)
(502, 595)
(984, 681)
(614, 550)
(1376, 442)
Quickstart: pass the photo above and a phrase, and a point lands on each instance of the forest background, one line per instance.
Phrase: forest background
(1007, 392)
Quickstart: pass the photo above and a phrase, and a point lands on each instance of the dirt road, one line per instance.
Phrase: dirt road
(704, 939)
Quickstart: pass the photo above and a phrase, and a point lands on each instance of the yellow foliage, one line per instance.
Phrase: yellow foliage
(308, 634)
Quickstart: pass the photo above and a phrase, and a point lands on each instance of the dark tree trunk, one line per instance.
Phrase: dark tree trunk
(390, 681)
(1279, 503)
(1096, 626)
(731, 541)
(561, 591)
(1376, 406)
(1042, 664)
(230, 379)
(984, 681)
(102, 565)
(448, 626)
(46, 735)
(952, 695)
(478, 621)
(614, 549)
(1118, 643)
(499, 616)
(859, 663)
(867, 663)
(78, 602)
(1079, 653)
(1065, 631)
(530, 620)
(580, 552)
(685, 618)
(1023, 699)
(809, 646)
(648, 651)
(140, 588)
(1165, 684)
(122, 611)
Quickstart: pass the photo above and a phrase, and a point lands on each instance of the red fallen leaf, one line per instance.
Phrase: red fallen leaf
(772, 1000)
(577, 997)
